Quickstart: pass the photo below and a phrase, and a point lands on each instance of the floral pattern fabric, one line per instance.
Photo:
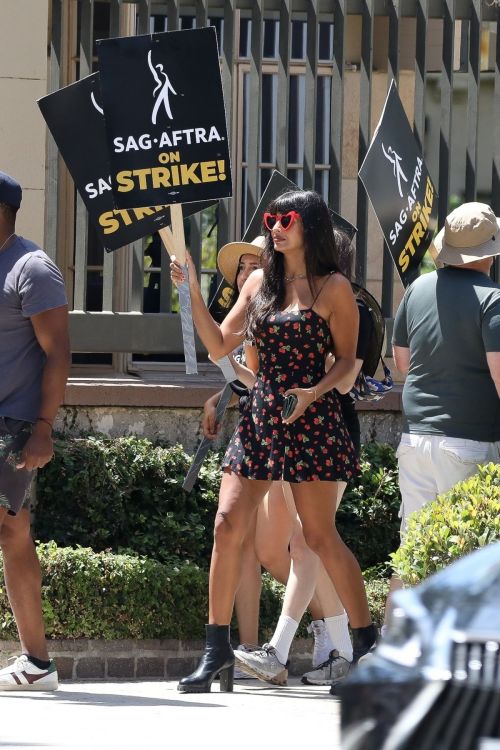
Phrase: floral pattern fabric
(292, 348)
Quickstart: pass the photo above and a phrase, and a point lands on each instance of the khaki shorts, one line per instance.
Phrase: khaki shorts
(14, 483)
(432, 464)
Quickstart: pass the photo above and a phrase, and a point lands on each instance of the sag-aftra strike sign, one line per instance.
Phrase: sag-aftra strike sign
(74, 116)
(399, 186)
(165, 119)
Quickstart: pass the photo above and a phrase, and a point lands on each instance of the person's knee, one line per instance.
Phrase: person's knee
(15, 532)
(226, 532)
(299, 549)
(319, 540)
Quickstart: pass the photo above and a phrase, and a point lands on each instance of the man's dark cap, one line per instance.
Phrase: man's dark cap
(10, 191)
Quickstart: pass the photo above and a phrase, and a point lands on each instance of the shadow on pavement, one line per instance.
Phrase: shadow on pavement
(110, 699)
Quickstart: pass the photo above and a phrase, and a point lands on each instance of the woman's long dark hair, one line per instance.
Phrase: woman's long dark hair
(321, 253)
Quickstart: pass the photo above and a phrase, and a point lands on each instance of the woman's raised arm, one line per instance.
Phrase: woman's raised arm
(223, 339)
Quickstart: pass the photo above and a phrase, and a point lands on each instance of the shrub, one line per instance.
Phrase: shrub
(367, 518)
(456, 523)
(103, 595)
(125, 494)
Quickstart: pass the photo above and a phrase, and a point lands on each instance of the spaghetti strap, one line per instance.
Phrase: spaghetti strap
(321, 289)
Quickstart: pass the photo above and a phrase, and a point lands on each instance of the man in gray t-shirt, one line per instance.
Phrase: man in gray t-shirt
(34, 365)
(447, 342)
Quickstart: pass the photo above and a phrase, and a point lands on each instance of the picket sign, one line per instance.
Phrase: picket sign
(175, 244)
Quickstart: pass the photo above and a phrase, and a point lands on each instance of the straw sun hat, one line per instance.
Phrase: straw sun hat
(471, 232)
(230, 254)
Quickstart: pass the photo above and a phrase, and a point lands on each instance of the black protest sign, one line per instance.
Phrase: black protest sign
(165, 118)
(74, 116)
(400, 188)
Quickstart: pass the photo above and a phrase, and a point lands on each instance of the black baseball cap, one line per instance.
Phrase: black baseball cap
(11, 192)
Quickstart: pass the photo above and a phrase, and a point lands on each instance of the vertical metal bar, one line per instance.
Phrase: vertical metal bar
(422, 13)
(310, 79)
(337, 105)
(226, 210)
(474, 66)
(52, 163)
(173, 15)
(143, 16)
(495, 177)
(283, 87)
(446, 109)
(81, 218)
(109, 265)
(364, 136)
(201, 13)
(255, 114)
(392, 74)
(114, 19)
(137, 276)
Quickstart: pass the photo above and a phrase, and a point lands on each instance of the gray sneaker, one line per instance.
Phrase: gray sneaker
(238, 673)
(334, 669)
(262, 664)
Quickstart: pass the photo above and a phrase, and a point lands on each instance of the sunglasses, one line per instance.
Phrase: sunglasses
(286, 220)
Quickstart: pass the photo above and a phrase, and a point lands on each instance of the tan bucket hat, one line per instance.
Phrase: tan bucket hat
(229, 256)
(471, 232)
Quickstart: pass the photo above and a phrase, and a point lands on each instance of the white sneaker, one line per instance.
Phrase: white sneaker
(322, 642)
(238, 673)
(24, 675)
(334, 669)
(262, 664)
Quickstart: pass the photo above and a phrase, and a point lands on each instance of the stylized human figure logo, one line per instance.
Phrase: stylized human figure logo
(94, 102)
(161, 90)
(395, 159)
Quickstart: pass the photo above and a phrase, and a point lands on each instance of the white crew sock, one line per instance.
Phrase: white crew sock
(283, 637)
(339, 633)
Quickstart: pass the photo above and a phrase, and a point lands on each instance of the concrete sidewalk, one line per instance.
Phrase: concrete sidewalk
(153, 715)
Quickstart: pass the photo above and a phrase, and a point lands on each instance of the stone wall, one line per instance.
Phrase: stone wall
(137, 660)
(182, 425)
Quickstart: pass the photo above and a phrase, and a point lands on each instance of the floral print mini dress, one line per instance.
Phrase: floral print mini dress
(292, 348)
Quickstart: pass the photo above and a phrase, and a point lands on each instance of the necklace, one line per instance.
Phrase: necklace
(293, 278)
(8, 238)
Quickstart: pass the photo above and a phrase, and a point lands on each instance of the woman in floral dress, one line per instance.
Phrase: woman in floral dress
(296, 308)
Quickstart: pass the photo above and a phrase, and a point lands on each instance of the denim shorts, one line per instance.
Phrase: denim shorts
(14, 483)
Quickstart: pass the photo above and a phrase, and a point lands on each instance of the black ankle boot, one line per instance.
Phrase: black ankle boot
(217, 659)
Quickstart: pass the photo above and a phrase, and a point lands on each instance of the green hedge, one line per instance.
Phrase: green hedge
(104, 595)
(125, 495)
(458, 522)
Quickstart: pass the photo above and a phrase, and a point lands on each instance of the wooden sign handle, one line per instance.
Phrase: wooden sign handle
(174, 238)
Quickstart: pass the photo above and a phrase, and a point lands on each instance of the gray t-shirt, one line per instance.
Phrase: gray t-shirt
(29, 284)
(449, 319)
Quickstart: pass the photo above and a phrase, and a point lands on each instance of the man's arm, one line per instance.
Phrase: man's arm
(493, 359)
(52, 333)
(401, 356)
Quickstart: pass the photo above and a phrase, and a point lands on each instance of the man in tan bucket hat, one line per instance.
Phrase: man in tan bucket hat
(447, 342)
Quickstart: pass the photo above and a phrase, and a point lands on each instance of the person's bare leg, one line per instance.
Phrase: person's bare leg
(23, 581)
(325, 601)
(247, 600)
(238, 502)
(316, 507)
(275, 523)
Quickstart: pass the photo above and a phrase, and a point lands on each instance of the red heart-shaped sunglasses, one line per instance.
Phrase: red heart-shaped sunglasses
(286, 220)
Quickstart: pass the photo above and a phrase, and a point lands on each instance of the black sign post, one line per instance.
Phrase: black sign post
(400, 188)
